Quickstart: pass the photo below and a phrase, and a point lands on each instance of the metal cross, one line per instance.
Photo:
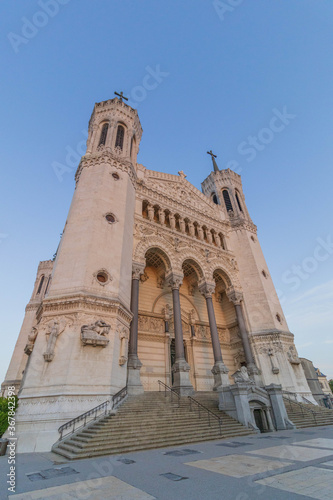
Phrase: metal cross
(121, 95)
(211, 154)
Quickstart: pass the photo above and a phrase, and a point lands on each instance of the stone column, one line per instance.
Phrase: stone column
(236, 297)
(219, 370)
(180, 368)
(134, 385)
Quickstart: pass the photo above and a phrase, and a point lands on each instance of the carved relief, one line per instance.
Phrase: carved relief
(31, 341)
(151, 324)
(293, 356)
(95, 334)
(124, 336)
(54, 329)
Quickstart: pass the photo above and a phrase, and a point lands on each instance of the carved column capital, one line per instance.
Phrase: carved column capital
(207, 289)
(137, 270)
(174, 280)
(235, 296)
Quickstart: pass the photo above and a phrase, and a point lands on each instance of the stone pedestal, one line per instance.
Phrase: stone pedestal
(220, 372)
(181, 378)
(134, 385)
(282, 421)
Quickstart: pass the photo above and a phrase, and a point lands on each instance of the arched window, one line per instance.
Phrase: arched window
(238, 202)
(227, 200)
(104, 133)
(120, 137)
(214, 198)
(40, 285)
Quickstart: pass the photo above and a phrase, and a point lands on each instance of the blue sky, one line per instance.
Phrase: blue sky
(222, 75)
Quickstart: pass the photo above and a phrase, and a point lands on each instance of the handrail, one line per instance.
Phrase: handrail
(167, 388)
(191, 400)
(209, 412)
(119, 396)
(116, 398)
(307, 401)
(302, 406)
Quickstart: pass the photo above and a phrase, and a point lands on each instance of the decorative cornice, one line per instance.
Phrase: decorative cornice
(84, 303)
(106, 156)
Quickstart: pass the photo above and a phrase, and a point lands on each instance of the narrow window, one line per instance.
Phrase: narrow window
(227, 200)
(215, 200)
(120, 137)
(238, 203)
(40, 285)
(104, 133)
(47, 285)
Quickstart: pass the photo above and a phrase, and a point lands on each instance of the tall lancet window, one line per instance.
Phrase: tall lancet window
(104, 133)
(120, 137)
(227, 200)
(40, 285)
(238, 202)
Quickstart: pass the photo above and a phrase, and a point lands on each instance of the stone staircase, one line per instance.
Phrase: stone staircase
(149, 421)
(300, 415)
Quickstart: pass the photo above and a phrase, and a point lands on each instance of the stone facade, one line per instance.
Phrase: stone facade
(153, 280)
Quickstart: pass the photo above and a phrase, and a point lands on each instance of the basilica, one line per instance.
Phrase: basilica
(153, 280)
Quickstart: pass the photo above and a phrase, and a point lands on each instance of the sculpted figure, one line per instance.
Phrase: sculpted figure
(242, 375)
(31, 341)
(53, 333)
(95, 334)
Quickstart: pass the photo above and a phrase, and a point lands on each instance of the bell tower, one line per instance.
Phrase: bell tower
(78, 357)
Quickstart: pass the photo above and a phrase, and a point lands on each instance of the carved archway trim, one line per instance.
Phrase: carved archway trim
(181, 295)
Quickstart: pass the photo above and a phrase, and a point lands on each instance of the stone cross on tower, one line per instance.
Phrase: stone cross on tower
(121, 96)
(216, 168)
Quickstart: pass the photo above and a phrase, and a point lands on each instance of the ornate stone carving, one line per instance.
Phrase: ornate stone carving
(234, 295)
(241, 376)
(124, 336)
(144, 277)
(137, 270)
(31, 341)
(292, 356)
(207, 289)
(150, 324)
(54, 329)
(174, 281)
(95, 334)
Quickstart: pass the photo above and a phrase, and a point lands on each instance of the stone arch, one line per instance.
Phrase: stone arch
(182, 295)
(220, 274)
(197, 258)
(187, 263)
(161, 245)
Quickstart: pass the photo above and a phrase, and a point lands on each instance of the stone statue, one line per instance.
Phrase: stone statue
(95, 334)
(53, 333)
(31, 341)
(241, 376)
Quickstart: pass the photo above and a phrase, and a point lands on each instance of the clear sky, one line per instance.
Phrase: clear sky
(222, 71)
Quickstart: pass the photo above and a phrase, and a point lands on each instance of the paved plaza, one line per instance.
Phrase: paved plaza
(292, 465)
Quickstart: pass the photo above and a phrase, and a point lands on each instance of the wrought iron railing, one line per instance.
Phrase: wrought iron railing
(201, 408)
(303, 407)
(86, 418)
(210, 414)
(168, 389)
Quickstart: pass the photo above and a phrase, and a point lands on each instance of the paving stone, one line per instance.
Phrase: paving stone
(293, 452)
(318, 443)
(126, 461)
(110, 488)
(312, 482)
(238, 465)
(51, 473)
